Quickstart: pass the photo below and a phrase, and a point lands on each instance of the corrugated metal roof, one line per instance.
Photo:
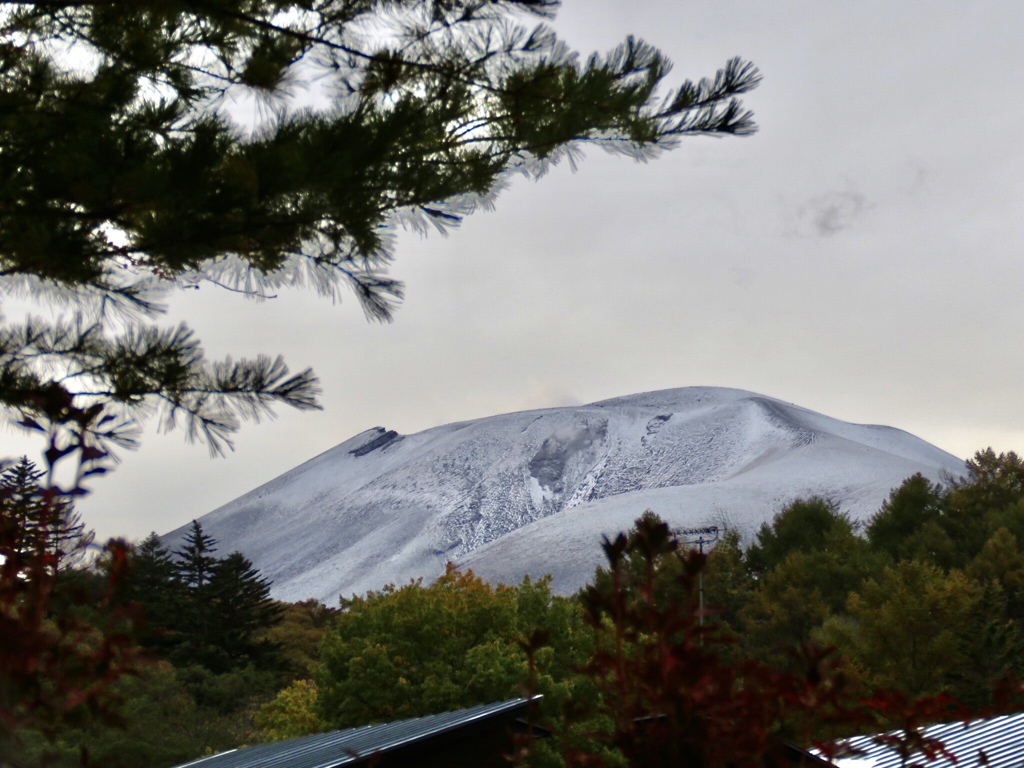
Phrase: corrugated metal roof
(339, 748)
(1001, 739)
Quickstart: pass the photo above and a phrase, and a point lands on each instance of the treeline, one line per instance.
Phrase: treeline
(925, 600)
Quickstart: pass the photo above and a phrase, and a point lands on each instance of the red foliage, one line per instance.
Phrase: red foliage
(56, 665)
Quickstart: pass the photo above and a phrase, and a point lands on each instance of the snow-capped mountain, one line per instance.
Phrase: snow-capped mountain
(533, 492)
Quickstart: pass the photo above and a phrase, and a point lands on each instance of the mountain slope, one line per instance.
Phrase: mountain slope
(533, 492)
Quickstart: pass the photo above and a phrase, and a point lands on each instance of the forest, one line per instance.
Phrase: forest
(817, 628)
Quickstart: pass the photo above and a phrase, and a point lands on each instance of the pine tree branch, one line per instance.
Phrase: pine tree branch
(124, 179)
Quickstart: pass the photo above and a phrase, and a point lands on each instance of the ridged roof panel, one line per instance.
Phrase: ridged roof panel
(1001, 739)
(339, 748)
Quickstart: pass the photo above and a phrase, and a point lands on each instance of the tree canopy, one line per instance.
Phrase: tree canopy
(415, 650)
(126, 173)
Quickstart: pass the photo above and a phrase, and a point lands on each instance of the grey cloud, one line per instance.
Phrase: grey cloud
(829, 214)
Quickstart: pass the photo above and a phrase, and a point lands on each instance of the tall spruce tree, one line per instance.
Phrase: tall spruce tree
(220, 605)
(22, 508)
(153, 586)
(194, 562)
(195, 565)
(241, 608)
(125, 175)
(39, 520)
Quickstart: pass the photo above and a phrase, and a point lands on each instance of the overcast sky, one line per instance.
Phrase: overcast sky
(860, 256)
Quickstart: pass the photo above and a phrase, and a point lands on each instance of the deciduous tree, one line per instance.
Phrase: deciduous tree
(55, 663)
(909, 626)
(670, 696)
(416, 650)
(292, 713)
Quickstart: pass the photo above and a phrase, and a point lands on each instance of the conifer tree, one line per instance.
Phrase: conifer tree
(153, 586)
(63, 642)
(40, 519)
(125, 175)
(241, 607)
(897, 527)
(911, 624)
(22, 507)
(152, 568)
(804, 525)
(202, 609)
(195, 563)
(993, 487)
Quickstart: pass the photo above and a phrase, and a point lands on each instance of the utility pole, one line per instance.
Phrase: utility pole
(700, 536)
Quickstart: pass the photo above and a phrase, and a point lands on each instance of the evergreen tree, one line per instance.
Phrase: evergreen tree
(994, 482)
(728, 584)
(63, 640)
(992, 646)
(913, 508)
(195, 563)
(784, 609)
(201, 609)
(795, 598)
(949, 526)
(39, 519)
(805, 525)
(668, 694)
(22, 508)
(154, 586)
(196, 623)
(986, 501)
(124, 174)
(241, 607)
(124, 177)
(67, 535)
(152, 569)
(1000, 562)
(911, 624)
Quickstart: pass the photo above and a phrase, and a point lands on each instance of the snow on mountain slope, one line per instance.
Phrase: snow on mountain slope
(533, 492)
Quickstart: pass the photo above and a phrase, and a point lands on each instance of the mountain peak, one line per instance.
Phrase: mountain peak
(534, 491)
